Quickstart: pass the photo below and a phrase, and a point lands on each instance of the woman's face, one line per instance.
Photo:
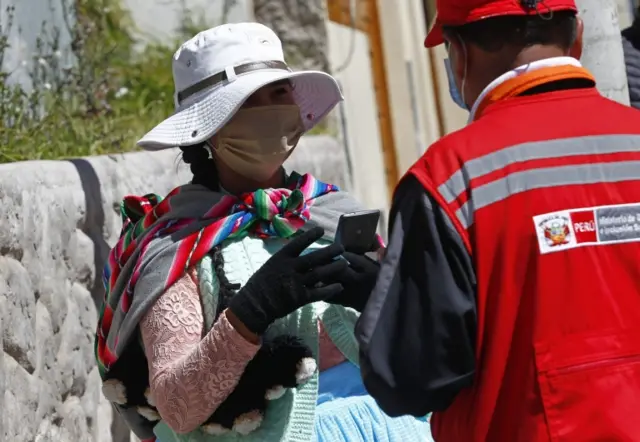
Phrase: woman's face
(275, 94)
(278, 93)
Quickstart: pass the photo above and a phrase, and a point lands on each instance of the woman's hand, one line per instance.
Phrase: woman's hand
(288, 281)
(357, 280)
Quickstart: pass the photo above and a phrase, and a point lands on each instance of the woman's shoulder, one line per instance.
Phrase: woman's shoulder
(336, 203)
(340, 196)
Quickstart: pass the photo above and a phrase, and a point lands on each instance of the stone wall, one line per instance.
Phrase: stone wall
(302, 28)
(58, 220)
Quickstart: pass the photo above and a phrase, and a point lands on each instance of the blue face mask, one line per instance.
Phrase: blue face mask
(456, 96)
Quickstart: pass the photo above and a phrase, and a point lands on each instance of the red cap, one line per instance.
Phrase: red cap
(461, 12)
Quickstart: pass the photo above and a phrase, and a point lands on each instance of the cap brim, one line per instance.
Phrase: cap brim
(435, 36)
(200, 117)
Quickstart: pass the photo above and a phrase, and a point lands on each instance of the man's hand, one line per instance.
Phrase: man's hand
(357, 280)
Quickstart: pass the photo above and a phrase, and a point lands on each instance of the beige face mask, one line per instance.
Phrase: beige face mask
(258, 140)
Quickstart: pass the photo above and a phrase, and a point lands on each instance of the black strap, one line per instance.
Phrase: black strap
(222, 76)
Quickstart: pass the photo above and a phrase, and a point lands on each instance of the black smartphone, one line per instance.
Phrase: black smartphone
(357, 230)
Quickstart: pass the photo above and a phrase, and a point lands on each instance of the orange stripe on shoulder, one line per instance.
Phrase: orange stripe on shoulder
(517, 85)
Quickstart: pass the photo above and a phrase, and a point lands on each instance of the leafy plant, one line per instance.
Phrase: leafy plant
(95, 95)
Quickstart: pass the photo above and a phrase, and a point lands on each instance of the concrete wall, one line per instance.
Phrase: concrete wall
(411, 100)
(58, 221)
(359, 115)
(626, 12)
(452, 116)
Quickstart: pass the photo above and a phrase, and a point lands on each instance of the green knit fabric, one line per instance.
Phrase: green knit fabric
(290, 418)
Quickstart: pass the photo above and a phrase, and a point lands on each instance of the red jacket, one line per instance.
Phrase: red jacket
(544, 189)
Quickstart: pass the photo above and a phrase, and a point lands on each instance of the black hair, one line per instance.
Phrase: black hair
(226, 289)
(203, 167)
(557, 28)
(204, 170)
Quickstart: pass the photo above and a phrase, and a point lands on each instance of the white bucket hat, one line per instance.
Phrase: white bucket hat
(218, 69)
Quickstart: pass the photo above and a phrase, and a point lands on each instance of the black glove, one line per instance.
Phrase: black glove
(358, 281)
(288, 281)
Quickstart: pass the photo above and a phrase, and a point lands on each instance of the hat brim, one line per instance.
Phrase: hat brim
(435, 36)
(201, 116)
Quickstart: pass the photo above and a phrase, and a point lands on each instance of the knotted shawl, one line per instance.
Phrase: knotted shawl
(162, 238)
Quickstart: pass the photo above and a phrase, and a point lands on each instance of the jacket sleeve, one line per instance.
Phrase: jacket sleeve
(631, 49)
(417, 332)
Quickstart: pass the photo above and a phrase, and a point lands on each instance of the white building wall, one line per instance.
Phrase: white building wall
(358, 116)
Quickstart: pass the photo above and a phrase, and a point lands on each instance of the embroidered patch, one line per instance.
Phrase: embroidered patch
(601, 225)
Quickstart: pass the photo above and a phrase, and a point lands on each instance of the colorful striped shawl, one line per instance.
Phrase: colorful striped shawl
(162, 238)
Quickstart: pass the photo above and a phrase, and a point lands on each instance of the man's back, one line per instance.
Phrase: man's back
(552, 182)
(511, 274)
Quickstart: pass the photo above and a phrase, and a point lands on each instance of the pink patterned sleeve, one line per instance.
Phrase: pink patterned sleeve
(190, 376)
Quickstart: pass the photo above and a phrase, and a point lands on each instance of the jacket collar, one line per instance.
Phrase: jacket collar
(520, 79)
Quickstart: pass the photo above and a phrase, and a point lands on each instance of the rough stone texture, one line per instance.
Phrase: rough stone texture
(301, 27)
(58, 221)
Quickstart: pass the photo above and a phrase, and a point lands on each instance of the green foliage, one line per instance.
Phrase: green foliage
(98, 96)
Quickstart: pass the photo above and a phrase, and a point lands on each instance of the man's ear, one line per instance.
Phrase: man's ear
(576, 48)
